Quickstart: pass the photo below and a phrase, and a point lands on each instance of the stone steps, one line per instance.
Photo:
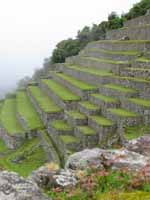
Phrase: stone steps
(60, 127)
(98, 77)
(44, 105)
(123, 117)
(141, 63)
(117, 91)
(98, 63)
(140, 106)
(111, 55)
(139, 84)
(104, 101)
(89, 75)
(136, 72)
(62, 96)
(105, 128)
(75, 118)
(118, 45)
(134, 33)
(78, 87)
(48, 147)
(87, 136)
(88, 108)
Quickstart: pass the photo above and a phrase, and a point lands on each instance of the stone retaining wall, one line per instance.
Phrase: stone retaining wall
(138, 21)
(134, 33)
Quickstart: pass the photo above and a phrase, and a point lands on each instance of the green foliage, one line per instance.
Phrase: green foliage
(65, 49)
(138, 9)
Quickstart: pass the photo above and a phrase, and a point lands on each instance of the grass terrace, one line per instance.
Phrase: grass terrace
(88, 105)
(119, 88)
(8, 117)
(142, 59)
(124, 53)
(104, 60)
(104, 98)
(91, 70)
(77, 83)
(62, 92)
(86, 130)
(140, 102)
(61, 125)
(26, 110)
(44, 102)
(122, 112)
(76, 115)
(67, 139)
(102, 121)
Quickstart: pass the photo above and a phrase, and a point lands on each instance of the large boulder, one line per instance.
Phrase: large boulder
(14, 187)
(99, 158)
(140, 145)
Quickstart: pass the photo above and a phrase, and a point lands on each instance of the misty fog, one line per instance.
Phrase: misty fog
(30, 29)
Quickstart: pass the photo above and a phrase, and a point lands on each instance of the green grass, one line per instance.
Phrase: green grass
(67, 139)
(104, 98)
(77, 83)
(138, 80)
(124, 53)
(125, 196)
(76, 115)
(91, 70)
(26, 110)
(122, 112)
(86, 130)
(138, 69)
(3, 147)
(44, 102)
(134, 132)
(119, 88)
(33, 157)
(101, 120)
(8, 117)
(142, 59)
(104, 60)
(140, 102)
(88, 105)
(62, 92)
(61, 125)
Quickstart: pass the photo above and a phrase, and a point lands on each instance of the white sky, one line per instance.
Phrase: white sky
(30, 29)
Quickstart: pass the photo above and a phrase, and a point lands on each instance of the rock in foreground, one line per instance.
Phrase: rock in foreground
(13, 187)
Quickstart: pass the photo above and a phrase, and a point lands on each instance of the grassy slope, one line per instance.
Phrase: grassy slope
(26, 110)
(8, 117)
(34, 158)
